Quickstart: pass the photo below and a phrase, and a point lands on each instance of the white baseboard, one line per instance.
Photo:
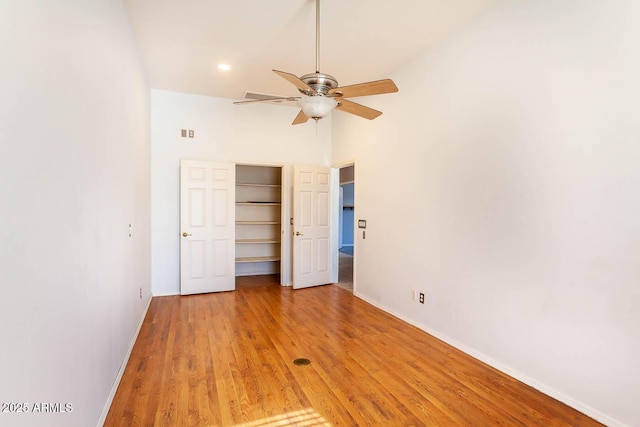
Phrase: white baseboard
(585, 409)
(116, 383)
(166, 294)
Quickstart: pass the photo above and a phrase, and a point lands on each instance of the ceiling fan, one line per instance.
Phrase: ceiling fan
(322, 93)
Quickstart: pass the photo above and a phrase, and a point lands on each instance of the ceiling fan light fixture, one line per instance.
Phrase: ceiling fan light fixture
(317, 107)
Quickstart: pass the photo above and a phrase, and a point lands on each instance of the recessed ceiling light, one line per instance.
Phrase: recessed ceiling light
(224, 67)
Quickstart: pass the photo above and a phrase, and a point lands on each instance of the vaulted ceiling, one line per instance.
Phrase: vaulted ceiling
(183, 41)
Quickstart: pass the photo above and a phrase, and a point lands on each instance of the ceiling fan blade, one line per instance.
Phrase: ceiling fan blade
(293, 79)
(300, 118)
(377, 87)
(357, 109)
(278, 98)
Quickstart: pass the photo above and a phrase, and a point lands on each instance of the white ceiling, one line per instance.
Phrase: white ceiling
(182, 41)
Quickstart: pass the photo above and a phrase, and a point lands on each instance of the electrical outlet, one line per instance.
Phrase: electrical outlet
(140, 293)
(421, 298)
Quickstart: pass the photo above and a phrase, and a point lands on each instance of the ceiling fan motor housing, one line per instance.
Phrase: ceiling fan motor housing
(321, 83)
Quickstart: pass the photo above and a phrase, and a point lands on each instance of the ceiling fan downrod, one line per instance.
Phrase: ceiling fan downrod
(317, 36)
(321, 83)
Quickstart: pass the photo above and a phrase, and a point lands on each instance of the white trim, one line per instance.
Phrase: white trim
(344, 164)
(579, 406)
(334, 223)
(286, 215)
(266, 164)
(123, 366)
(337, 166)
(166, 294)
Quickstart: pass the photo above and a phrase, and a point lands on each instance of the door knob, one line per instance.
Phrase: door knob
(299, 233)
(185, 234)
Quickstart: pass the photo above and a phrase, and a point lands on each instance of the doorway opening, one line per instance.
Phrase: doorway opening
(258, 225)
(346, 227)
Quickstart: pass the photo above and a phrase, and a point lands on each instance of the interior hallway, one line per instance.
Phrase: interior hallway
(345, 268)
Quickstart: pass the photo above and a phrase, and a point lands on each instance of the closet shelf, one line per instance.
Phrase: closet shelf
(257, 241)
(258, 203)
(258, 206)
(258, 259)
(257, 222)
(238, 184)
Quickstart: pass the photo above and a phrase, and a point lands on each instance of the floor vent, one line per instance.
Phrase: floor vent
(301, 362)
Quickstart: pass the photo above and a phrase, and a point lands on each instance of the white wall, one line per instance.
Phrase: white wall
(257, 133)
(508, 165)
(74, 172)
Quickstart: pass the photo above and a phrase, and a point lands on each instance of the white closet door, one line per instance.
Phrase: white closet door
(207, 227)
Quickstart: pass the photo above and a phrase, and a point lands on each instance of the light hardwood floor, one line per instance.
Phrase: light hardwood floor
(226, 359)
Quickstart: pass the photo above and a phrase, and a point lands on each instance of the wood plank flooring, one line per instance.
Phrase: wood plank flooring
(226, 359)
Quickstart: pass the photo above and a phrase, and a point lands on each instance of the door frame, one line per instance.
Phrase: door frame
(285, 216)
(335, 190)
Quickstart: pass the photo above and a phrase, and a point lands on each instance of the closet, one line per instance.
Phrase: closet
(258, 219)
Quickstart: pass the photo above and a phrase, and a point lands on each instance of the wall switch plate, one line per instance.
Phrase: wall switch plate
(183, 133)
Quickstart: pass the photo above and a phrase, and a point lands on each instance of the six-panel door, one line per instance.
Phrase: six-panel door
(207, 227)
